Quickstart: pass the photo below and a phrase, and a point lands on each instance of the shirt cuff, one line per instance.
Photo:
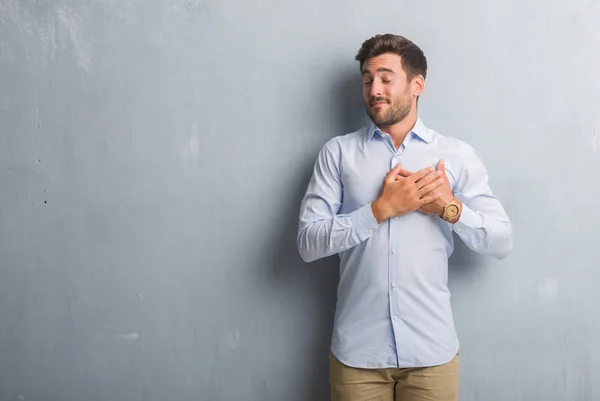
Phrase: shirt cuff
(469, 219)
(363, 221)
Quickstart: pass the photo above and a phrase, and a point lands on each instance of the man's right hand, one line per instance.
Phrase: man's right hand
(406, 195)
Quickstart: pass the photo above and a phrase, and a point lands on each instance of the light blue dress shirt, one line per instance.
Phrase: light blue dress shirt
(393, 303)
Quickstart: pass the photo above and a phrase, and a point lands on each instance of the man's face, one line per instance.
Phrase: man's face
(387, 93)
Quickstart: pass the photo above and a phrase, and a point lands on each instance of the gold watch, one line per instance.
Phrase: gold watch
(451, 210)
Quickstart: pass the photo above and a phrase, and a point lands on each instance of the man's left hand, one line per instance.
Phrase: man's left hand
(436, 207)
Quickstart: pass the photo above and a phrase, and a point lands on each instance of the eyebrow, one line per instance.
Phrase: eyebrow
(380, 69)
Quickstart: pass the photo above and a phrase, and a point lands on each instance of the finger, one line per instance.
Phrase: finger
(438, 167)
(420, 174)
(391, 175)
(430, 187)
(404, 173)
(430, 198)
(442, 167)
(428, 179)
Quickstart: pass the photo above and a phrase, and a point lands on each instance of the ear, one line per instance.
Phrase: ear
(417, 85)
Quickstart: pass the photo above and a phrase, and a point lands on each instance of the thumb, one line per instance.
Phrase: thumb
(391, 175)
(405, 173)
(442, 166)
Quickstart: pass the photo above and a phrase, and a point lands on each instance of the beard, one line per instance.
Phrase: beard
(397, 110)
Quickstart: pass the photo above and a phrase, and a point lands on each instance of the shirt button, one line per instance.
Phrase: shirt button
(370, 231)
(395, 317)
(475, 246)
(394, 251)
(459, 230)
(393, 285)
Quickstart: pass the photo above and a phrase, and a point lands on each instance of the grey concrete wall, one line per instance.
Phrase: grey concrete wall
(152, 159)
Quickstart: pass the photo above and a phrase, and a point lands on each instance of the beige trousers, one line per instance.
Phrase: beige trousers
(436, 383)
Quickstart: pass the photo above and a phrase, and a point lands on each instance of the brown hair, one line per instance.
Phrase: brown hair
(413, 60)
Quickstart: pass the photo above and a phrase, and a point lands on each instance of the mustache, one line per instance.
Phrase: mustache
(379, 99)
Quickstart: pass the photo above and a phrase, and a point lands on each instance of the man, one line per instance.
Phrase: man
(386, 199)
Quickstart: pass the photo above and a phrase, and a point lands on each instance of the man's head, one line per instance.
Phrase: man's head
(393, 72)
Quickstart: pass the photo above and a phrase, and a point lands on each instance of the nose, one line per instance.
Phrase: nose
(376, 89)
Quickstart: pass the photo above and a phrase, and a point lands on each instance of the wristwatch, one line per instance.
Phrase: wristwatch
(451, 210)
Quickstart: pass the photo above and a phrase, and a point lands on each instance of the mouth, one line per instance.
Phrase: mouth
(379, 104)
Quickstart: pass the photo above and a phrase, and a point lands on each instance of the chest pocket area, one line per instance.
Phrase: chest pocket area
(361, 184)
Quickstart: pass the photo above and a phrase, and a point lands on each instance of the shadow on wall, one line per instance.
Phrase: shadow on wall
(347, 94)
(463, 260)
(318, 279)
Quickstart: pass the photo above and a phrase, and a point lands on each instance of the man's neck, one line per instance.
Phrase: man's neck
(400, 130)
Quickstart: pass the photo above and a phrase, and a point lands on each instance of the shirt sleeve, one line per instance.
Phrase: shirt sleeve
(484, 225)
(322, 231)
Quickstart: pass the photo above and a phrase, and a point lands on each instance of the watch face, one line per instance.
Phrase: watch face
(452, 211)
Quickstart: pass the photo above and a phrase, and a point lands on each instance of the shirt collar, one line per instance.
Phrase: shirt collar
(419, 130)
(422, 131)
